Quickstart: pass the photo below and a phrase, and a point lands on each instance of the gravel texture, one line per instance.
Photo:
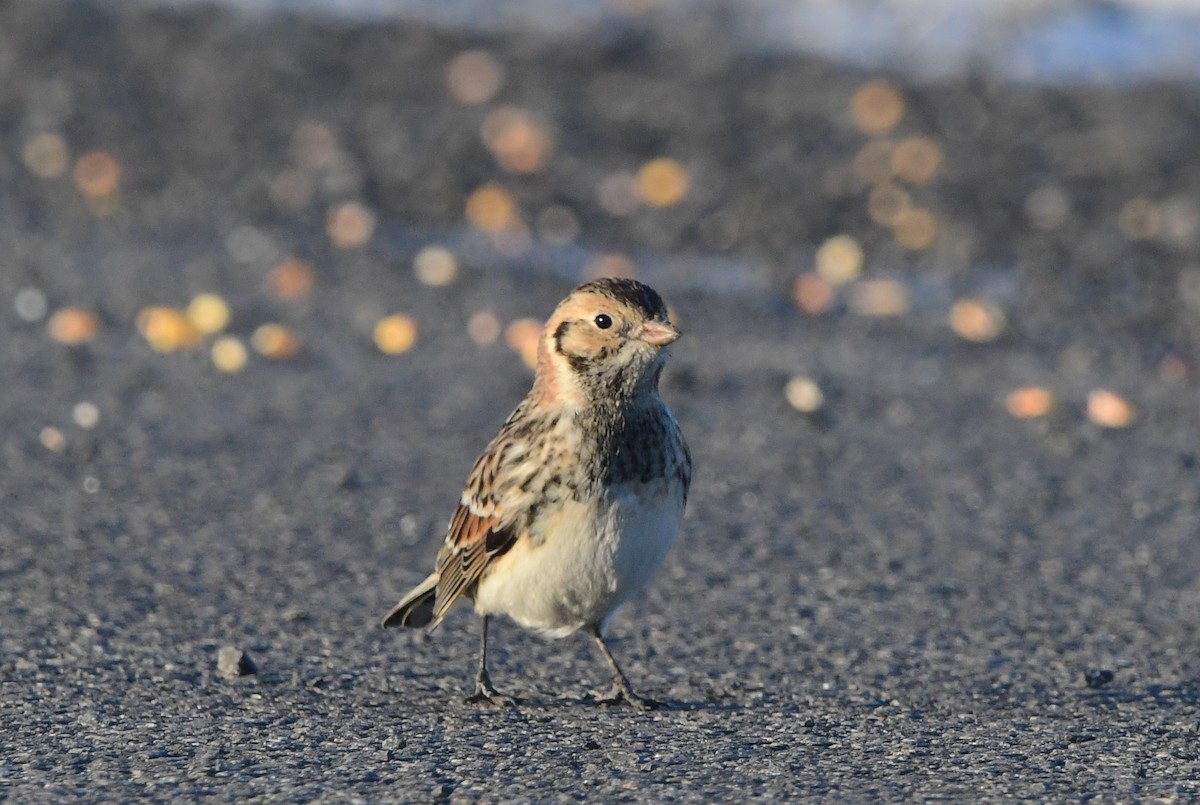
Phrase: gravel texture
(908, 594)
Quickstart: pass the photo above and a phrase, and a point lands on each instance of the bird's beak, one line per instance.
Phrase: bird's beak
(658, 333)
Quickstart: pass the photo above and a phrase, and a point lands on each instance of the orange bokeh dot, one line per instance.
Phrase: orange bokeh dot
(291, 279)
(350, 225)
(519, 144)
(915, 228)
(395, 334)
(492, 208)
(46, 155)
(1109, 409)
(663, 182)
(976, 320)
(877, 107)
(97, 174)
(167, 329)
(917, 159)
(1029, 402)
(473, 77)
(484, 328)
(839, 259)
(73, 326)
(275, 341)
(812, 293)
(522, 337)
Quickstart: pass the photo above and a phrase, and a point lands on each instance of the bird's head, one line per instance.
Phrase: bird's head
(606, 340)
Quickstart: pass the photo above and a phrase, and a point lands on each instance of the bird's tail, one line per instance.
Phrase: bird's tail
(415, 609)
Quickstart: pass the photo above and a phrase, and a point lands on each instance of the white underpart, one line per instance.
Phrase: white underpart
(593, 558)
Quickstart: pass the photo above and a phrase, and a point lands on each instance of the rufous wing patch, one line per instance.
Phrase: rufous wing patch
(471, 544)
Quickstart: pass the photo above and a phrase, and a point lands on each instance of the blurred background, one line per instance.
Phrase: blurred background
(271, 275)
(1005, 168)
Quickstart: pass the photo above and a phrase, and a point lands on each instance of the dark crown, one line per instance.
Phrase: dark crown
(631, 292)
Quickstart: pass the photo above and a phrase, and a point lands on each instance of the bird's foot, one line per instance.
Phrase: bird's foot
(486, 695)
(619, 696)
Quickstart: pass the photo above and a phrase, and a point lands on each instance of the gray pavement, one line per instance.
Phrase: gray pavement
(899, 597)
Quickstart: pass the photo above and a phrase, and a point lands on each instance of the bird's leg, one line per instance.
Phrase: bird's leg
(484, 692)
(622, 692)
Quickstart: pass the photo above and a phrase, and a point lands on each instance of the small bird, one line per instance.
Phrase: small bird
(575, 503)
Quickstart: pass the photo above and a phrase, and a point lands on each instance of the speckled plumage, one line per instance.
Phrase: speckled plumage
(572, 507)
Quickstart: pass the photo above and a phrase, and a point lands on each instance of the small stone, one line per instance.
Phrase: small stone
(233, 662)
(1098, 677)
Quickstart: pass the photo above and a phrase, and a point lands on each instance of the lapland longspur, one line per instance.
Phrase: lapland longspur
(575, 503)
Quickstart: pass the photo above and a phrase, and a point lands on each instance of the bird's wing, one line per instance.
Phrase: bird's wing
(489, 518)
(471, 543)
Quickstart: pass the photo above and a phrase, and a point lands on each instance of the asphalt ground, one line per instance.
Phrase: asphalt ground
(902, 595)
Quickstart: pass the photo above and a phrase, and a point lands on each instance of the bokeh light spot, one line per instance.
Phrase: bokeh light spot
(484, 328)
(46, 155)
(663, 182)
(976, 320)
(435, 266)
(877, 107)
(1109, 409)
(804, 394)
(73, 326)
(522, 337)
(839, 260)
(350, 225)
(395, 334)
(275, 341)
(208, 313)
(229, 354)
(915, 228)
(52, 439)
(916, 159)
(1029, 402)
(291, 279)
(812, 293)
(97, 175)
(86, 415)
(492, 208)
(886, 203)
(517, 143)
(167, 329)
(473, 77)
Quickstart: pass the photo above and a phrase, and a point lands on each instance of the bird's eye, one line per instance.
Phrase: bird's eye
(603, 321)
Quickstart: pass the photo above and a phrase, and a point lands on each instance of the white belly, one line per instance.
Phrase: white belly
(592, 559)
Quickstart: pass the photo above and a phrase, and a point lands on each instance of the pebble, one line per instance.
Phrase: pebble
(233, 662)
